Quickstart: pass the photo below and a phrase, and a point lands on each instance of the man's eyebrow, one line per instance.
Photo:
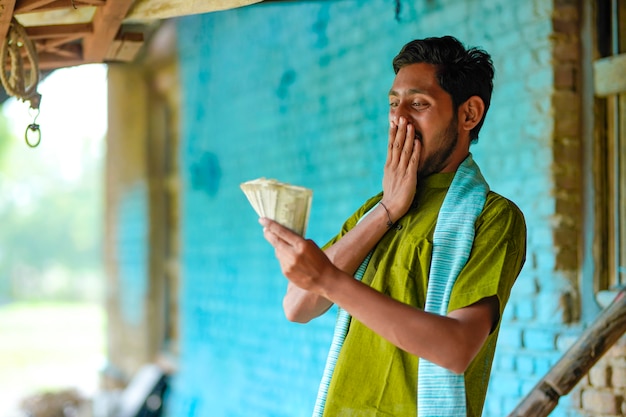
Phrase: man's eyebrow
(409, 92)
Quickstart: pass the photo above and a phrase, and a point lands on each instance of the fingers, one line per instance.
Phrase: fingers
(401, 143)
(393, 131)
(408, 144)
(397, 134)
(400, 173)
(301, 260)
(274, 239)
(278, 229)
(281, 232)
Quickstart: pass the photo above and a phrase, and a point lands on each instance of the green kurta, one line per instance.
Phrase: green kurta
(374, 378)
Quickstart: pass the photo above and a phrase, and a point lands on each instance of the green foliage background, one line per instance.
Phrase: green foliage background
(50, 223)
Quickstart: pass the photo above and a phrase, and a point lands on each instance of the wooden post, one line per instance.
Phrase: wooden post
(577, 361)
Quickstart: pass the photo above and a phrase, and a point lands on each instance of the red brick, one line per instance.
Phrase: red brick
(568, 205)
(567, 125)
(566, 181)
(567, 259)
(566, 51)
(565, 77)
(566, 103)
(565, 26)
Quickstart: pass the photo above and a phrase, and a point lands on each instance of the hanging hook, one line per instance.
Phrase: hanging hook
(34, 128)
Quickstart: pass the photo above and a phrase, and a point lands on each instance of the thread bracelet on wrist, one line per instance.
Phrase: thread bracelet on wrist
(389, 222)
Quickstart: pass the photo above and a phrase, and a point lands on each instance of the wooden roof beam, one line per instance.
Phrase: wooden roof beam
(125, 47)
(48, 61)
(24, 6)
(106, 24)
(6, 14)
(92, 2)
(28, 6)
(64, 51)
(59, 31)
(54, 44)
(165, 9)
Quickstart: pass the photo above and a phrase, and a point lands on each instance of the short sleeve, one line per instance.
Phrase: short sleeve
(497, 256)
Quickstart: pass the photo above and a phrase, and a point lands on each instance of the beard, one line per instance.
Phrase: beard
(446, 142)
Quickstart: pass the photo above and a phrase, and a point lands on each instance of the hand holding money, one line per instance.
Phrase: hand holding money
(288, 205)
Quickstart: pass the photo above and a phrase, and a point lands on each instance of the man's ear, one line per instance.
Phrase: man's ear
(472, 112)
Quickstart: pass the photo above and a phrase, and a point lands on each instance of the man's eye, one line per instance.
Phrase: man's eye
(393, 104)
(419, 104)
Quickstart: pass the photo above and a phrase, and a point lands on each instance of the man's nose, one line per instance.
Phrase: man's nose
(402, 110)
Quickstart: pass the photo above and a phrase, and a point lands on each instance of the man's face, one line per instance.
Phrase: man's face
(417, 96)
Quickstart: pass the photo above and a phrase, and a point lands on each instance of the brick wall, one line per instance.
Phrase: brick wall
(141, 219)
(126, 236)
(542, 317)
(297, 92)
(602, 393)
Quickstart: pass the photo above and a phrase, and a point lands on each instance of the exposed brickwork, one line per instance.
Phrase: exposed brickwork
(141, 218)
(566, 149)
(126, 243)
(600, 402)
(603, 392)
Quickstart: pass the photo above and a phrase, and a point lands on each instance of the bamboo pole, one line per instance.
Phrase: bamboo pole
(576, 362)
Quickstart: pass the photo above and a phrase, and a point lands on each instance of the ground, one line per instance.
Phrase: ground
(49, 347)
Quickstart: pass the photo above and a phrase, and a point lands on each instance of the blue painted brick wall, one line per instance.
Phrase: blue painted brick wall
(297, 92)
(132, 253)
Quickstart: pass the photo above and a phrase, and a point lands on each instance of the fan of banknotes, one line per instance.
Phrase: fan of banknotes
(287, 204)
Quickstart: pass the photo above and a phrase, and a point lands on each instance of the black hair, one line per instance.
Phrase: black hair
(461, 72)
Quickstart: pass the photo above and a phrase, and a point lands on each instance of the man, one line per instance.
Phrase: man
(437, 105)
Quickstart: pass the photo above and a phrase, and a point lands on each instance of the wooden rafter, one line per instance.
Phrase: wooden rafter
(60, 47)
(66, 39)
(93, 2)
(72, 56)
(28, 6)
(165, 9)
(106, 25)
(24, 6)
(74, 32)
(59, 31)
(125, 47)
(6, 14)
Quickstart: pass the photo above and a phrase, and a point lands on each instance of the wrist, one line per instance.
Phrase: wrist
(392, 222)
